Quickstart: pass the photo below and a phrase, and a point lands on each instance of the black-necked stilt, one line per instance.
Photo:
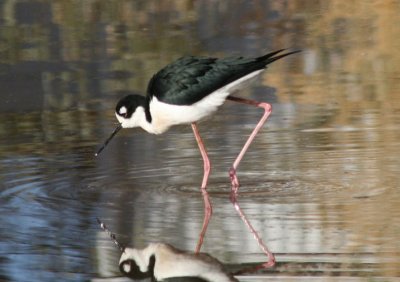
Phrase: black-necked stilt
(187, 91)
(163, 262)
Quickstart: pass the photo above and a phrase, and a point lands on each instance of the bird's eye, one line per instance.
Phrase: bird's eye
(123, 111)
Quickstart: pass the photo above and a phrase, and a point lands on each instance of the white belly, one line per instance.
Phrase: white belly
(166, 115)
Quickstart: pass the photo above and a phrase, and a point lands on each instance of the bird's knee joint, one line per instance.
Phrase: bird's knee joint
(267, 107)
(207, 168)
(272, 262)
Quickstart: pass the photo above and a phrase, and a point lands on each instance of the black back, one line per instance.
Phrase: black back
(189, 79)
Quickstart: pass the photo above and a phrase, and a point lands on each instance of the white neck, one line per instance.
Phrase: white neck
(138, 119)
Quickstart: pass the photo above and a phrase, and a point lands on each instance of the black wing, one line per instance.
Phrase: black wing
(189, 79)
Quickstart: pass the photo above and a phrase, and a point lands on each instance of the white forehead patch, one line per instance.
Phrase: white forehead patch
(123, 110)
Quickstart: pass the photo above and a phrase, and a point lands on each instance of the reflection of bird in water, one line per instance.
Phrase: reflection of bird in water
(162, 262)
(187, 91)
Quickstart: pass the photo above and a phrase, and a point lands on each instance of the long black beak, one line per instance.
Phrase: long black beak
(112, 235)
(118, 128)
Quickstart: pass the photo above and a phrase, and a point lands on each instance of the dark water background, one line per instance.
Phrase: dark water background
(320, 183)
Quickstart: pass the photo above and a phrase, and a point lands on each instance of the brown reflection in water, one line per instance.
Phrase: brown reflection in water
(352, 66)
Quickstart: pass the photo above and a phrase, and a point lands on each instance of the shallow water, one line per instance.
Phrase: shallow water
(320, 182)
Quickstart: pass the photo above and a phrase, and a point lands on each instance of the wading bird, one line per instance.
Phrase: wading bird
(165, 263)
(188, 90)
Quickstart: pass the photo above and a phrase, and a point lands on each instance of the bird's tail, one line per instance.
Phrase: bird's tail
(270, 57)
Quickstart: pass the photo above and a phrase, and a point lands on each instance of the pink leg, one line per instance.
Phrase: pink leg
(207, 203)
(235, 181)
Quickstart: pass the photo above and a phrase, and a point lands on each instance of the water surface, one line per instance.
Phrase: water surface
(320, 183)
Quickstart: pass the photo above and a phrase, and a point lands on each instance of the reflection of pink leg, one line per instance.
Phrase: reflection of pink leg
(235, 181)
(207, 203)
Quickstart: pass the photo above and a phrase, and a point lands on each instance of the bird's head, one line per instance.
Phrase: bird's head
(130, 112)
(134, 263)
(137, 264)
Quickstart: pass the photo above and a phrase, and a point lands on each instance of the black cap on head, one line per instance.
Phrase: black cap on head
(127, 105)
